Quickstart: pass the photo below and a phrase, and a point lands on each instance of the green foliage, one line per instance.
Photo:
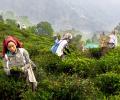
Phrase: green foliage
(114, 97)
(44, 28)
(11, 89)
(11, 22)
(88, 41)
(72, 88)
(8, 15)
(1, 18)
(51, 63)
(32, 29)
(95, 39)
(16, 68)
(109, 62)
(83, 67)
(79, 76)
(76, 41)
(64, 87)
(108, 83)
(25, 20)
(95, 53)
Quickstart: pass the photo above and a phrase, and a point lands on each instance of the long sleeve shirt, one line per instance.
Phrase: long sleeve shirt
(113, 39)
(18, 59)
(62, 45)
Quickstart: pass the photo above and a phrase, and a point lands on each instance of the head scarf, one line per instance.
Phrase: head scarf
(67, 36)
(10, 39)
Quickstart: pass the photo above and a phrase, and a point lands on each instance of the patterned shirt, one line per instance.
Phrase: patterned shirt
(17, 59)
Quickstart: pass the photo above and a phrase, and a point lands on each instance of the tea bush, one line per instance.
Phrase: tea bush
(64, 87)
(80, 76)
(83, 67)
(108, 83)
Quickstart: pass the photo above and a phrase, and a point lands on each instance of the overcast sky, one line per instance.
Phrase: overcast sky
(109, 8)
(100, 3)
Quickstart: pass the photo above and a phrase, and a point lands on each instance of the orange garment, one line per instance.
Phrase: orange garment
(103, 41)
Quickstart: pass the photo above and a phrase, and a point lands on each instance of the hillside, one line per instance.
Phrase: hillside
(78, 77)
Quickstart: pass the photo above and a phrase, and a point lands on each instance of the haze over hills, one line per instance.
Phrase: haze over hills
(83, 15)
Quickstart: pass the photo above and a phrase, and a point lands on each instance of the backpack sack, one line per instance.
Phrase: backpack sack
(54, 47)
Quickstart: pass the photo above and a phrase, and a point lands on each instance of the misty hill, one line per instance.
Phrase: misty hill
(66, 14)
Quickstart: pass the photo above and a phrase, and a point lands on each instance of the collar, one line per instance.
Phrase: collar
(10, 53)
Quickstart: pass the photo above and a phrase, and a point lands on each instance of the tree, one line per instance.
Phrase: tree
(11, 22)
(1, 18)
(88, 41)
(76, 41)
(77, 38)
(95, 38)
(44, 28)
(9, 15)
(25, 20)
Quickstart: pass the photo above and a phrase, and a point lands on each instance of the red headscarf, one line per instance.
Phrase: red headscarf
(10, 39)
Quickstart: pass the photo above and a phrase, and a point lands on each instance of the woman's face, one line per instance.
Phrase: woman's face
(11, 47)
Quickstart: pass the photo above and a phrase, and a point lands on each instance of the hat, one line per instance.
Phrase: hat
(67, 36)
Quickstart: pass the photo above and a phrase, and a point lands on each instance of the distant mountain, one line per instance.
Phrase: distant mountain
(82, 15)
